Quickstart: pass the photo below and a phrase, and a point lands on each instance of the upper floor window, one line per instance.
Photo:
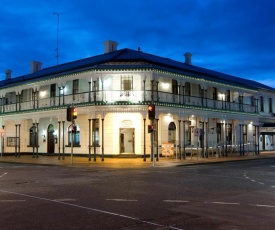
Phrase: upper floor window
(187, 89)
(252, 100)
(127, 83)
(228, 99)
(75, 86)
(53, 90)
(174, 87)
(215, 93)
(270, 105)
(261, 104)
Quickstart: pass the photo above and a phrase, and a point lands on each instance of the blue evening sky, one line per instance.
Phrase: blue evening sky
(236, 37)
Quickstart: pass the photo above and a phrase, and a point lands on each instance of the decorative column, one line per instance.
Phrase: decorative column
(19, 140)
(258, 136)
(94, 139)
(157, 91)
(37, 140)
(205, 96)
(15, 153)
(184, 140)
(180, 141)
(89, 91)
(59, 101)
(152, 91)
(59, 122)
(34, 144)
(102, 120)
(206, 137)
(157, 136)
(89, 147)
(94, 90)
(3, 141)
(63, 140)
(37, 99)
(183, 102)
(144, 136)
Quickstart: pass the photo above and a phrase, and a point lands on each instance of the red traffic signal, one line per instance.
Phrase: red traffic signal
(74, 128)
(150, 128)
(151, 111)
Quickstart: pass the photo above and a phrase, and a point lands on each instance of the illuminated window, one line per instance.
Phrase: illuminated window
(172, 133)
(75, 136)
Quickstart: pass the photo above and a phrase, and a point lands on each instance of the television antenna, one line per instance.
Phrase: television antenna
(57, 37)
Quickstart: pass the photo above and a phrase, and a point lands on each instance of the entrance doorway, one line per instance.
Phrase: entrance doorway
(127, 140)
(50, 140)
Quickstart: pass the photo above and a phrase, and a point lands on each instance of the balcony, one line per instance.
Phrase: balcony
(134, 97)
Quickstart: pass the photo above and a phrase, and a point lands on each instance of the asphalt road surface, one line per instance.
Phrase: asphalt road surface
(224, 196)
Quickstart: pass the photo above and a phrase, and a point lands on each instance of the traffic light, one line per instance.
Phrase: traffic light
(151, 111)
(74, 113)
(150, 128)
(71, 113)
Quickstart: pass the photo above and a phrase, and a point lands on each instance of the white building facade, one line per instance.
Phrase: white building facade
(195, 109)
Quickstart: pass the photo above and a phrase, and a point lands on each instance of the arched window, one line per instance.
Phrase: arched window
(76, 135)
(172, 133)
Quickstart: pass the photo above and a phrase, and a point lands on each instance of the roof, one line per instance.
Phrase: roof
(125, 58)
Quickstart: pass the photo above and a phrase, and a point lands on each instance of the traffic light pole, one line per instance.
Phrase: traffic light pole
(72, 141)
(152, 145)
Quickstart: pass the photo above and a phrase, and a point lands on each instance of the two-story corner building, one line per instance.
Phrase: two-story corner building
(195, 108)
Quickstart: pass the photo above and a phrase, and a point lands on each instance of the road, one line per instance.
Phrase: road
(233, 195)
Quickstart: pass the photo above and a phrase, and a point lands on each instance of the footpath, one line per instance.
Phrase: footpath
(129, 162)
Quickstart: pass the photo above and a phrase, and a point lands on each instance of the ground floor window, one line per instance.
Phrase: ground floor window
(172, 133)
(74, 134)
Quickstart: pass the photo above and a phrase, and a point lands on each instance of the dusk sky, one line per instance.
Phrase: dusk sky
(236, 37)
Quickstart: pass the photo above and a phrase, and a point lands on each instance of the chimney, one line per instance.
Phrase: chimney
(110, 46)
(35, 66)
(188, 58)
(8, 74)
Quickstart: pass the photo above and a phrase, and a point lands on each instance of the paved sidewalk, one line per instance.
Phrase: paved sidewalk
(128, 162)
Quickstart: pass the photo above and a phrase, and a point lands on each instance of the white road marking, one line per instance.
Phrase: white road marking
(263, 205)
(176, 201)
(272, 186)
(6, 201)
(121, 200)
(3, 174)
(93, 209)
(64, 199)
(225, 203)
(253, 180)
